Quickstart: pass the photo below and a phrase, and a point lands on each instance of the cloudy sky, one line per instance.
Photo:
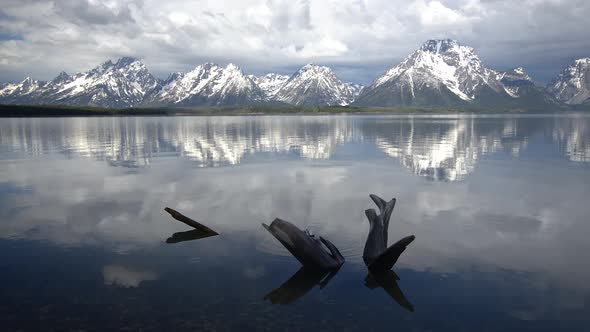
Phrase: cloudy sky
(359, 38)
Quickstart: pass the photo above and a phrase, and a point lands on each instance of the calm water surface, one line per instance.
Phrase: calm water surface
(499, 205)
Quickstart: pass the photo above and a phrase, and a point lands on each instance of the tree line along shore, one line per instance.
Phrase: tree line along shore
(67, 111)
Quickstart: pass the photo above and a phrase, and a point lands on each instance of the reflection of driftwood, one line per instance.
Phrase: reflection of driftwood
(299, 284)
(195, 234)
(388, 281)
(182, 218)
(376, 255)
(306, 247)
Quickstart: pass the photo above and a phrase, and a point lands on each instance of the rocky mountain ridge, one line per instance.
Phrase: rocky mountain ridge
(441, 73)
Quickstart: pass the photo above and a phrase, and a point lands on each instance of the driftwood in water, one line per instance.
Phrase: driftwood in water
(194, 234)
(388, 281)
(377, 256)
(299, 284)
(304, 246)
(182, 218)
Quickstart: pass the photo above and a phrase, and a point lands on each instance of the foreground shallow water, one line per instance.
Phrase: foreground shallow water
(499, 206)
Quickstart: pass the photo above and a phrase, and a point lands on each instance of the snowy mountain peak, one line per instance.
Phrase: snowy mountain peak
(28, 81)
(437, 46)
(315, 85)
(439, 64)
(446, 73)
(516, 82)
(572, 85)
(233, 67)
(102, 67)
(125, 61)
(519, 71)
(314, 69)
(516, 74)
(206, 66)
(60, 78)
(450, 52)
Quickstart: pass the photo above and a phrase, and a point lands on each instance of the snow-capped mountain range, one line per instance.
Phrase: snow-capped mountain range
(440, 73)
(124, 83)
(128, 83)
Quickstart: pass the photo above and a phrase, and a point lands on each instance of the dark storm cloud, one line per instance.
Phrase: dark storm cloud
(360, 39)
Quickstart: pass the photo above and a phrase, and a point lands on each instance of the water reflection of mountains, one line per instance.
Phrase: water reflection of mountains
(443, 148)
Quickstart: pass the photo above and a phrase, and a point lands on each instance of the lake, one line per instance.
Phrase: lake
(499, 205)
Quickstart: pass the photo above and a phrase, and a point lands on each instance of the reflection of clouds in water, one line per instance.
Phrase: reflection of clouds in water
(502, 217)
(255, 272)
(507, 224)
(124, 276)
(126, 217)
(505, 216)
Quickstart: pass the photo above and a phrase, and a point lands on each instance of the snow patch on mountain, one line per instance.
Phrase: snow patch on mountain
(26, 86)
(7, 89)
(355, 89)
(270, 83)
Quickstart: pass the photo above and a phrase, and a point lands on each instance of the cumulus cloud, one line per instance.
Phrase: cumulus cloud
(359, 38)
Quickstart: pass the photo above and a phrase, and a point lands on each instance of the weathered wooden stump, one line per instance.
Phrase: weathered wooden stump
(305, 247)
(377, 256)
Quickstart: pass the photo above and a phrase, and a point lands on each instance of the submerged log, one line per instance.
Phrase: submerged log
(300, 284)
(184, 219)
(192, 235)
(376, 255)
(305, 247)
